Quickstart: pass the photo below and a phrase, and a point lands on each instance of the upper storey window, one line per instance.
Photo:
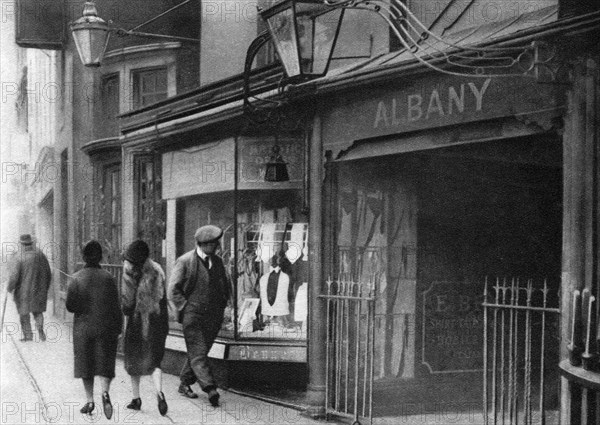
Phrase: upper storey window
(149, 86)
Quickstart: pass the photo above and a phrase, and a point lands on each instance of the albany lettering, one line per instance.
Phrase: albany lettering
(436, 104)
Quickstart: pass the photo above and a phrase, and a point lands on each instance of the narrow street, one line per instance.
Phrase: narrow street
(38, 387)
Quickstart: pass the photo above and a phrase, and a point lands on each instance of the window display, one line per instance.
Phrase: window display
(265, 241)
(272, 266)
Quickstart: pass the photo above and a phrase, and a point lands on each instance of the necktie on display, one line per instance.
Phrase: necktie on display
(272, 287)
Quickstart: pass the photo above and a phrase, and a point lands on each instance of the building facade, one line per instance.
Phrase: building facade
(433, 226)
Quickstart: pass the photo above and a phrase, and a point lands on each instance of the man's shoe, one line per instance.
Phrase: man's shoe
(25, 339)
(42, 335)
(136, 404)
(186, 391)
(162, 404)
(213, 397)
(107, 405)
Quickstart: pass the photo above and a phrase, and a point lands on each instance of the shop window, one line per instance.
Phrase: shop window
(272, 268)
(265, 230)
(427, 229)
(376, 236)
(149, 86)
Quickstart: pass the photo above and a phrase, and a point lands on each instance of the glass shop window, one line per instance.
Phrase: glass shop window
(264, 247)
(272, 268)
(216, 209)
(376, 239)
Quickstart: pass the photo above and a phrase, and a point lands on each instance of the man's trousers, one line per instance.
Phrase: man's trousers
(199, 331)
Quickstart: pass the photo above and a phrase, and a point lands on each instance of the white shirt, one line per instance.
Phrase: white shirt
(203, 255)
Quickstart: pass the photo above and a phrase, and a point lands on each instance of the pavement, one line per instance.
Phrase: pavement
(37, 386)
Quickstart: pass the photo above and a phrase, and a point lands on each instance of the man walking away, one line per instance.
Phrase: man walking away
(199, 290)
(30, 279)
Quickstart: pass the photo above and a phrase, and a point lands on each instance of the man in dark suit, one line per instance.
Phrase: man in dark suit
(199, 290)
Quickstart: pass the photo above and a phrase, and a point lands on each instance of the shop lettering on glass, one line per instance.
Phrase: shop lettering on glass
(452, 332)
(434, 104)
(255, 154)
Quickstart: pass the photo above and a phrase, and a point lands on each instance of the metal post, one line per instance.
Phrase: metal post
(328, 348)
(515, 374)
(542, 354)
(346, 315)
(357, 353)
(511, 365)
(502, 350)
(485, 353)
(495, 352)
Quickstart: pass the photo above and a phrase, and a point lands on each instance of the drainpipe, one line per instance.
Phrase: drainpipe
(316, 310)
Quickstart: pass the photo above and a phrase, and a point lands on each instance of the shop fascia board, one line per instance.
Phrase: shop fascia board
(571, 27)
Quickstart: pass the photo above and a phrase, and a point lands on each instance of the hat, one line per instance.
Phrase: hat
(26, 239)
(92, 252)
(137, 252)
(208, 233)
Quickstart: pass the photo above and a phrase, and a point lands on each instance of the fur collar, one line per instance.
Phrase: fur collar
(150, 283)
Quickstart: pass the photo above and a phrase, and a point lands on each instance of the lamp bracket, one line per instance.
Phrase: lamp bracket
(133, 31)
(121, 32)
(258, 114)
(446, 57)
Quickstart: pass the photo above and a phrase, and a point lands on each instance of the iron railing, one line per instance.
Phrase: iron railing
(517, 326)
(350, 349)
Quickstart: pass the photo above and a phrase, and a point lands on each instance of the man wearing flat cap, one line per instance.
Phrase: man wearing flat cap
(199, 290)
(29, 281)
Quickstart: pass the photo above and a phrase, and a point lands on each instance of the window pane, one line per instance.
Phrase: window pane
(272, 265)
(150, 86)
(216, 209)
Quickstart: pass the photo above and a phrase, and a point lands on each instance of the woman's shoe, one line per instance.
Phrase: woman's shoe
(107, 405)
(162, 404)
(88, 408)
(136, 404)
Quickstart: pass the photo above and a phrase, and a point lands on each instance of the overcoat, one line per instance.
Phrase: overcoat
(186, 276)
(144, 302)
(30, 280)
(93, 296)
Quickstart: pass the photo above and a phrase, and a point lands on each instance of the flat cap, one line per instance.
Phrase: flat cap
(208, 233)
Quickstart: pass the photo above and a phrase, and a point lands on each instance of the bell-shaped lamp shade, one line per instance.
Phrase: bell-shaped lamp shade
(91, 34)
(276, 168)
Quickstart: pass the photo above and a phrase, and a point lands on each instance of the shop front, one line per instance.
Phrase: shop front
(251, 182)
(441, 186)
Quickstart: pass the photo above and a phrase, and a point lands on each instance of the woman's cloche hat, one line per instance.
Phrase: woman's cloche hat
(137, 252)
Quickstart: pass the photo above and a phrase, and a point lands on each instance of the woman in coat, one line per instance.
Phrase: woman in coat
(93, 296)
(144, 302)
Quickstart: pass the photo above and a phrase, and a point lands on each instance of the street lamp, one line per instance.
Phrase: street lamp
(304, 33)
(91, 34)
